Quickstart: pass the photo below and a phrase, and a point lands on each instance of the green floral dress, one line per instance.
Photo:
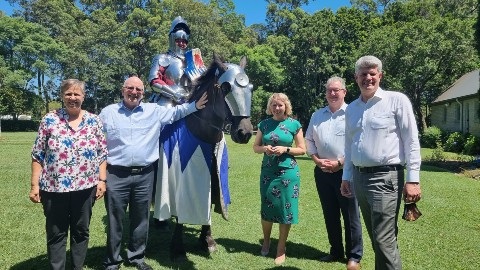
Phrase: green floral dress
(280, 176)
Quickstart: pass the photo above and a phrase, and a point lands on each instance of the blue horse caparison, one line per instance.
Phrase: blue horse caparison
(193, 164)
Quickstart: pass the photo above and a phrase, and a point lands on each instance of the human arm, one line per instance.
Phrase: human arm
(409, 139)
(34, 182)
(298, 150)
(258, 147)
(160, 83)
(172, 114)
(411, 147)
(102, 180)
(346, 189)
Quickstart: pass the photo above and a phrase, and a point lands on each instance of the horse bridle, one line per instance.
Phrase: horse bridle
(217, 87)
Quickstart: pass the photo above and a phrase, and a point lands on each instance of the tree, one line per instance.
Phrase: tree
(27, 47)
(423, 54)
(283, 15)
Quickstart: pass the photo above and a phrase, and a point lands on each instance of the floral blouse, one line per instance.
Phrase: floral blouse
(70, 159)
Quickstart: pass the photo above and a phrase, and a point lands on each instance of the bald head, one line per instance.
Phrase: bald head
(132, 92)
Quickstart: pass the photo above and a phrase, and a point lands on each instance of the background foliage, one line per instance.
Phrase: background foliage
(425, 46)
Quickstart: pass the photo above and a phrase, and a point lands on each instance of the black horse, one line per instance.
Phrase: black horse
(193, 165)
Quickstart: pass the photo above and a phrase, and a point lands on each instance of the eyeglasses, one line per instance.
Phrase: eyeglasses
(334, 91)
(131, 88)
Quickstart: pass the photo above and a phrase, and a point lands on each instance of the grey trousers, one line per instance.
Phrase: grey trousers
(379, 196)
(64, 211)
(135, 191)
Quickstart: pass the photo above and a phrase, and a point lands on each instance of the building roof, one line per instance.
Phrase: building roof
(467, 85)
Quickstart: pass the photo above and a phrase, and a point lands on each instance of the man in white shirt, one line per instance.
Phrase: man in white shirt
(325, 139)
(381, 137)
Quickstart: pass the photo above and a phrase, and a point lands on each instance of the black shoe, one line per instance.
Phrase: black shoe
(331, 258)
(143, 266)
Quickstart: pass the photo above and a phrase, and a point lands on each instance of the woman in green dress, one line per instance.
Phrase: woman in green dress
(279, 176)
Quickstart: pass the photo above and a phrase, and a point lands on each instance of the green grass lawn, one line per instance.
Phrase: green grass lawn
(447, 236)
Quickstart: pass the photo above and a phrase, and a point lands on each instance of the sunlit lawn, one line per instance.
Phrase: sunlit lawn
(446, 236)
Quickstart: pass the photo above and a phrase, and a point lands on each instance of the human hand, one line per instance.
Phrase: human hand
(269, 150)
(101, 189)
(345, 189)
(34, 194)
(412, 192)
(200, 104)
(279, 150)
(327, 166)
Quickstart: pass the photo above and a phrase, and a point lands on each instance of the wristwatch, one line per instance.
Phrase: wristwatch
(103, 180)
(339, 163)
(288, 150)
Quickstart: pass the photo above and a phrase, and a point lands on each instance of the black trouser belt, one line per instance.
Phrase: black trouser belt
(375, 169)
(132, 169)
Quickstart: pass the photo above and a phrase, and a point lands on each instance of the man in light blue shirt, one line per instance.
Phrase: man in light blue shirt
(325, 138)
(132, 141)
(381, 139)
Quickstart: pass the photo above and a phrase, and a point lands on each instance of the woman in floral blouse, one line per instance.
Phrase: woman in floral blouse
(68, 174)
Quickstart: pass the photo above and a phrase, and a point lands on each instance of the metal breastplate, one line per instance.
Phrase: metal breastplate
(176, 72)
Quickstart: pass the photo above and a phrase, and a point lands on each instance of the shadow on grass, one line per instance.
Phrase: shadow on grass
(93, 261)
(294, 250)
(158, 248)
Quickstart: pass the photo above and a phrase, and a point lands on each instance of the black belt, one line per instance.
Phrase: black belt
(375, 169)
(132, 169)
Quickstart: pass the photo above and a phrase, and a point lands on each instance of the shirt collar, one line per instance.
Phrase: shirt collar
(123, 107)
(342, 108)
(380, 93)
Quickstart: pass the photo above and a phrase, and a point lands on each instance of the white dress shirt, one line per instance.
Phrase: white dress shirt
(382, 131)
(325, 134)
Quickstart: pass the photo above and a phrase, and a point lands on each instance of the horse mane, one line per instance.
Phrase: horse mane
(208, 78)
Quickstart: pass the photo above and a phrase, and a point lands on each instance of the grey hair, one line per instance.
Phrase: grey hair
(336, 79)
(68, 83)
(368, 61)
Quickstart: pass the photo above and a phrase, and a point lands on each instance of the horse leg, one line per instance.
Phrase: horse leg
(206, 239)
(177, 249)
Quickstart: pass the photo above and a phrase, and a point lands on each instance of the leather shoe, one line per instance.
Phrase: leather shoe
(331, 258)
(353, 265)
(143, 266)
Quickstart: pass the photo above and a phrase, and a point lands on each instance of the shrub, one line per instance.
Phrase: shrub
(472, 145)
(430, 137)
(454, 143)
(437, 154)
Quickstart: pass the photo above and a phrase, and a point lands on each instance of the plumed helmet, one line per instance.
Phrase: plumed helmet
(179, 29)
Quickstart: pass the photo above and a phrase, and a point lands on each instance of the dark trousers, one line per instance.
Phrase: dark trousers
(379, 196)
(133, 190)
(63, 211)
(334, 205)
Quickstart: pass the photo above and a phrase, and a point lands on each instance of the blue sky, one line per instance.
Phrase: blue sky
(254, 10)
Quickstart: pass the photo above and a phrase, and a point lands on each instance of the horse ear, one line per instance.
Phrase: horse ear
(219, 61)
(243, 62)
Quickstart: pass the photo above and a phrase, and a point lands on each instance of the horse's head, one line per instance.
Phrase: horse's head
(237, 89)
(229, 94)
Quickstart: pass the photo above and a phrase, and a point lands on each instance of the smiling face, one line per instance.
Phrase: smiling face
(335, 95)
(278, 108)
(181, 43)
(72, 99)
(368, 80)
(132, 92)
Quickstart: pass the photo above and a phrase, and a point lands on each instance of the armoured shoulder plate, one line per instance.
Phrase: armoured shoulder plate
(164, 60)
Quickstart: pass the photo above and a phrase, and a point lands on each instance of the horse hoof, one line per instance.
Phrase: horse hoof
(209, 243)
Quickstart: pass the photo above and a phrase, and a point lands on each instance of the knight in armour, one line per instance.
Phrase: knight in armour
(172, 73)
